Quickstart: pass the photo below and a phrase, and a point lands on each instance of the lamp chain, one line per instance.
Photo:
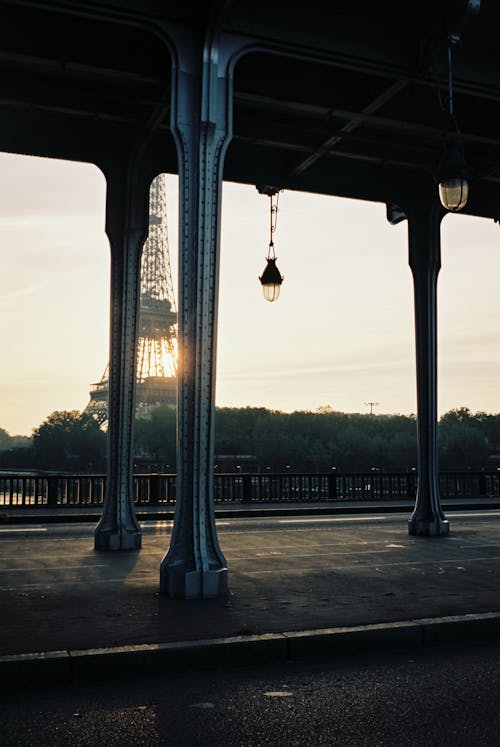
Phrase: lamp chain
(273, 216)
(450, 83)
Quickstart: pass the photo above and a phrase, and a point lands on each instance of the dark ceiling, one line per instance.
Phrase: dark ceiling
(335, 97)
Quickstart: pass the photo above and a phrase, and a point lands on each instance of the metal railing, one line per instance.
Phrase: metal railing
(51, 491)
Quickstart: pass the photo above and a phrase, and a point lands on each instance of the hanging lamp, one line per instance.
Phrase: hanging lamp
(271, 279)
(452, 170)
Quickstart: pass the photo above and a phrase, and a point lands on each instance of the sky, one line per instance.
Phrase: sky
(341, 333)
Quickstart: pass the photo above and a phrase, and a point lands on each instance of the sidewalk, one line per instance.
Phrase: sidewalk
(297, 585)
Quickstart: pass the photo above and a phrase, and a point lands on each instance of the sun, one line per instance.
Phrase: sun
(156, 358)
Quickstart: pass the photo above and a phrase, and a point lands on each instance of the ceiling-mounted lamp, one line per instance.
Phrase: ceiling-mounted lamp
(452, 170)
(453, 182)
(271, 279)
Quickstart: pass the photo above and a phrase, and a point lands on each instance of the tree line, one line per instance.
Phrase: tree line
(301, 441)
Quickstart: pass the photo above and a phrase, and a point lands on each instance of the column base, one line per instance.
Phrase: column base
(111, 541)
(182, 584)
(428, 527)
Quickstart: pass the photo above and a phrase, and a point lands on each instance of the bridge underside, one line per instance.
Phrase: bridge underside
(344, 99)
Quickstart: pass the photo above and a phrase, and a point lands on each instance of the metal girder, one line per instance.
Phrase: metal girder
(370, 119)
(354, 155)
(93, 114)
(70, 69)
(332, 141)
(425, 158)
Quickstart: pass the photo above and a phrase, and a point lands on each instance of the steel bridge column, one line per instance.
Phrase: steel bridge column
(126, 227)
(424, 220)
(194, 567)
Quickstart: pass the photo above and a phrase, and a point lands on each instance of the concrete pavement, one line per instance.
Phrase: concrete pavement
(298, 585)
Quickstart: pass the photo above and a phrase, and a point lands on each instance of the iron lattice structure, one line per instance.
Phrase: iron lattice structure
(157, 341)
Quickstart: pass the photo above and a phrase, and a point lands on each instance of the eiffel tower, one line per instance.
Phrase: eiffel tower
(157, 343)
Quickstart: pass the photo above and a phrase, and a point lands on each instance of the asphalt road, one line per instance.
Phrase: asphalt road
(435, 696)
(285, 574)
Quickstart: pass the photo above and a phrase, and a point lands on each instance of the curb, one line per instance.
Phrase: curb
(62, 667)
(228, 513)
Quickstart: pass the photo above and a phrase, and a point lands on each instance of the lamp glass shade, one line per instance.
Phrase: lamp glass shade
(271, 280)
(271, 291)
(453, 193)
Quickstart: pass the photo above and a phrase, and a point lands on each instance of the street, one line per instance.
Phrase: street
(432, 696)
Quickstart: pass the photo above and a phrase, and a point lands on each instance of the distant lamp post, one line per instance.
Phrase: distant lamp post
(452, 170)
(271, 279)
(371, 405)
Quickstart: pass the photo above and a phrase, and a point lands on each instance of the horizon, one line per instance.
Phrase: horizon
(340, 334)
